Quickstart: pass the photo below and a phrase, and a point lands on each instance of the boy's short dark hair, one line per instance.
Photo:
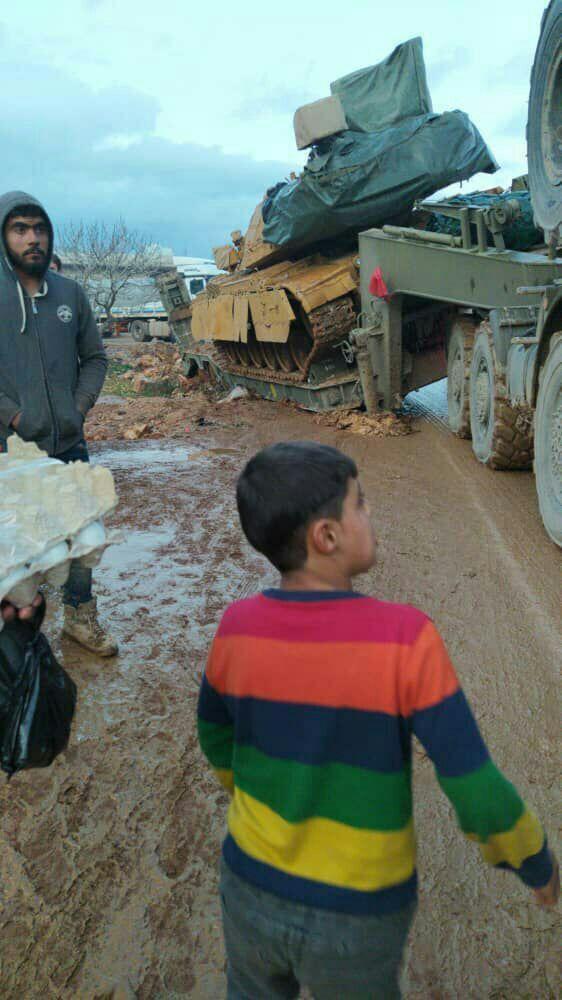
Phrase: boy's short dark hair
(282, 489)
(55, 259)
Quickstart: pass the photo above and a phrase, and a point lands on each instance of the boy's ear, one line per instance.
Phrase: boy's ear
(322, 536)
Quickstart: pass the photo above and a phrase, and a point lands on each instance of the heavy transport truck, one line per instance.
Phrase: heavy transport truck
(442, 291)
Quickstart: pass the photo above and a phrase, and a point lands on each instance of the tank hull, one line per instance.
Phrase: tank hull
(279, 321)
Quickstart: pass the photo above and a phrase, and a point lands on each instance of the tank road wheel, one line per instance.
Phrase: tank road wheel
(139, 330)
(548, 441)
(300, 346)
(501, 434)
(459, 356)
(229, 350)
(243, 354)
(284, 357)
(255, 350)
(268, 351)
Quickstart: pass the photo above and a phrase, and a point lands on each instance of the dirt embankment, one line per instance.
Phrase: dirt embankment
(147, 395)
(108, 860)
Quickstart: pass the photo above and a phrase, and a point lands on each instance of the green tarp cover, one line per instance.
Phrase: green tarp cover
(357, 179)
(381, 95)
(521, 234)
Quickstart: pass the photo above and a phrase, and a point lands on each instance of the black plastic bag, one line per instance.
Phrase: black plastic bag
(37, 699)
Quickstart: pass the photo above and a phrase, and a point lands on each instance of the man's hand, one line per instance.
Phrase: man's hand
(549, 895)
(9, 612)
(16, 421)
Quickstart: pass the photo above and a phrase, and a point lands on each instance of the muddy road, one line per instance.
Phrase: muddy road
(108, 860)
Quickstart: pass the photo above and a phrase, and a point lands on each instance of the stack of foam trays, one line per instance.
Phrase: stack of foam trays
(50, 513)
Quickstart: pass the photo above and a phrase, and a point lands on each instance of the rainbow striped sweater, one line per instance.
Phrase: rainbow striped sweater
(306, 711)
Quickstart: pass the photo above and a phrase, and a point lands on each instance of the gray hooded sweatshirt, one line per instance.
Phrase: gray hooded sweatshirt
(52, 359)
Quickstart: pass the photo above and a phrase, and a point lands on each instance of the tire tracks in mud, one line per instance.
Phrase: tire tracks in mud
(523, 567)
(508, 521)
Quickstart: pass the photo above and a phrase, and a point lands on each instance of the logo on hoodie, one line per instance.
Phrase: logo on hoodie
(64, 313)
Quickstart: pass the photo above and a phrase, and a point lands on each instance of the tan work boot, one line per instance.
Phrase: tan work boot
(82, 625)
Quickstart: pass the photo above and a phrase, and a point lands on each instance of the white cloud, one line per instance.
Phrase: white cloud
(180, 115)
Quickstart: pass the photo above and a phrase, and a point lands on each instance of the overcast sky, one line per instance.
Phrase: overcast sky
(177, 115)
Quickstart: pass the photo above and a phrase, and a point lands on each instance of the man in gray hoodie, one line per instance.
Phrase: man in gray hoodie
(52, 369)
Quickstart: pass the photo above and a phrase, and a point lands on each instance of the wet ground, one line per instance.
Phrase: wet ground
(108, 860)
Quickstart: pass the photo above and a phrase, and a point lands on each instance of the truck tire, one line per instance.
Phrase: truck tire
(459, 355)
(502, 435)
(139, 330)
(544, 124)
(548, 441)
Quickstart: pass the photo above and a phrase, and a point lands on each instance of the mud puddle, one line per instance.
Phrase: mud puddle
(143, 458)
(162, 459)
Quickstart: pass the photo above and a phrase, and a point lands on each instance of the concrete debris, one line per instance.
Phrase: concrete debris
(239, 392)
(139, 430)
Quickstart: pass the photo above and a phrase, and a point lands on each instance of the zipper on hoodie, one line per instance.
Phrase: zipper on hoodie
(35, 312)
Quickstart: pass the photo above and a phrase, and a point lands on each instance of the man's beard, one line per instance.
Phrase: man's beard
(24, 262)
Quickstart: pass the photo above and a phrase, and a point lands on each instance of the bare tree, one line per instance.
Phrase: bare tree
(107, 260)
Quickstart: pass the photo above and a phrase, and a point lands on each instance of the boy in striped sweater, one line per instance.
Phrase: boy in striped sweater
(309, 701)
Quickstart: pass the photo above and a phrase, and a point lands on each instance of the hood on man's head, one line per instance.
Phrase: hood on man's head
(19, 199)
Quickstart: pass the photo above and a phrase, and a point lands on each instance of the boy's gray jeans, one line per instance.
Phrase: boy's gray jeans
(275, 946)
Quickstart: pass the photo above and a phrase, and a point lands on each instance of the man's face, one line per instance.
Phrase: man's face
(27, 240)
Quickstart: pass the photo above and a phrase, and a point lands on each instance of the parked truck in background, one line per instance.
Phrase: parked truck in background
(413, 304)
(149, 320)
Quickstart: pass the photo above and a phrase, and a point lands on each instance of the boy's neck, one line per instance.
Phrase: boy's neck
(309, 579)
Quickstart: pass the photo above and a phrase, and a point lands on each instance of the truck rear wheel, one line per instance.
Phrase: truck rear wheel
(139, 330)
(459, 355)
(544, 126)
(502, 436)
(548, 441)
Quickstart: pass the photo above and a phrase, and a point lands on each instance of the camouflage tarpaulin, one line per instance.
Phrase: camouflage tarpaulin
(519, 235)
(381, 95)
(356, 180)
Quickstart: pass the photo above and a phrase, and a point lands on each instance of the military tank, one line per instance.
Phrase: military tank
(280, 318)
(466, 287)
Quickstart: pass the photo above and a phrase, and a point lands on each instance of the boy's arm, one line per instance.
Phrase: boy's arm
(215, 729)
(488, 807)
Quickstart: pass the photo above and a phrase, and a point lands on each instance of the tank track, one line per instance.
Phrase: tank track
(326, 326)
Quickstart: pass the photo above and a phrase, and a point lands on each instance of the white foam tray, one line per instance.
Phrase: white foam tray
(50, 513)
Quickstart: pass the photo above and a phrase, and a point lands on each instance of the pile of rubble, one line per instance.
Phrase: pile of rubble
(154, 369)
(379, 425)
